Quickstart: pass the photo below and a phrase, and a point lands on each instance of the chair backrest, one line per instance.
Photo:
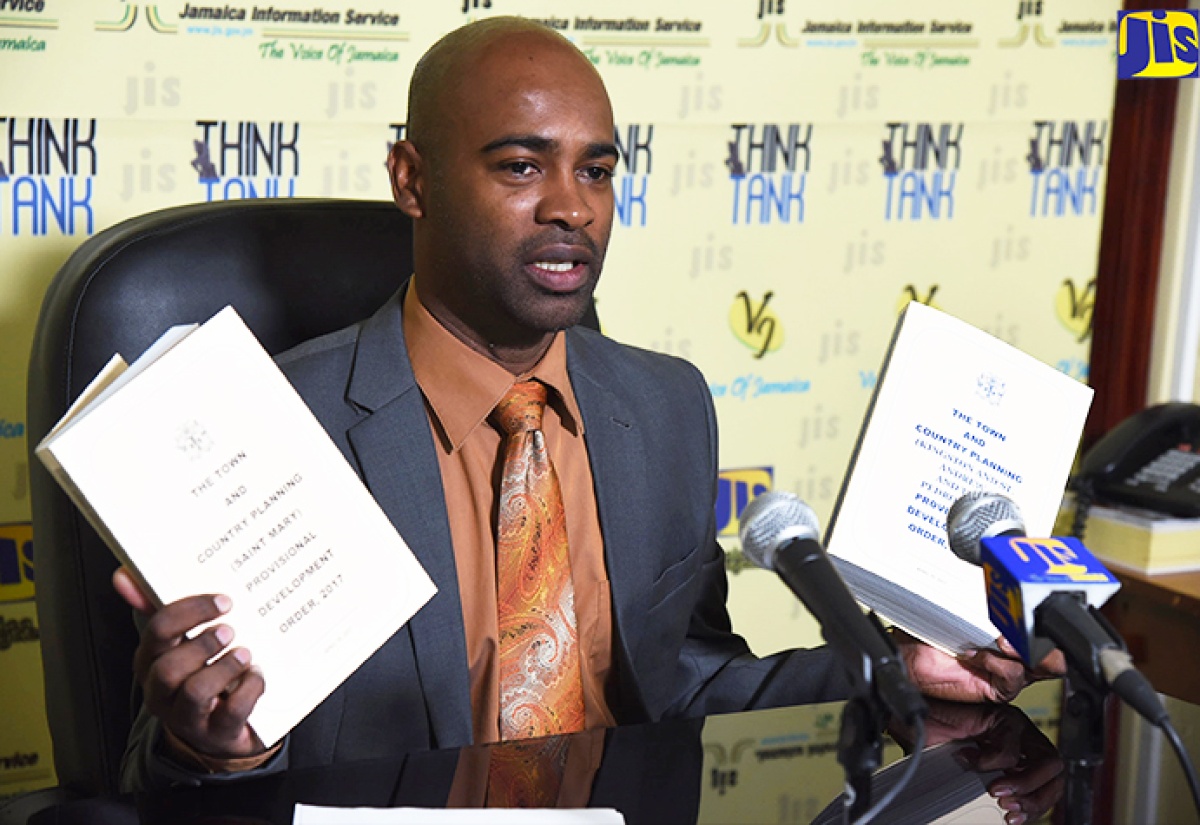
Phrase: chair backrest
(292, 269)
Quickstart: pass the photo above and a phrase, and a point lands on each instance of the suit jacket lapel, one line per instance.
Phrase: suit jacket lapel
(395, 450)
(618, 455)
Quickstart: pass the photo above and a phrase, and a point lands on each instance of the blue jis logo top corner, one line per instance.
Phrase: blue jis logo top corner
(1158, 44)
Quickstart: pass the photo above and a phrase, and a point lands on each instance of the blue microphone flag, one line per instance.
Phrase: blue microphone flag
(1021, 572)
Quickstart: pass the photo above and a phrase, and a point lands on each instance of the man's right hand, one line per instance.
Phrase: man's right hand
(203, 705)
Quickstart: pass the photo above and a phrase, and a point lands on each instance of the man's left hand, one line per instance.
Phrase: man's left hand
(979, 676)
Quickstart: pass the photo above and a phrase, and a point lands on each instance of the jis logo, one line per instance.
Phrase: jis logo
(735, 490)
(1158, 44)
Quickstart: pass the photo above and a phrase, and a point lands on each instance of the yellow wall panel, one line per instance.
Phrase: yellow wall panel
(793, 174)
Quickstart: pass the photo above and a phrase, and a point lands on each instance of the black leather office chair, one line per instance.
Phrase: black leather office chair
(292, 269)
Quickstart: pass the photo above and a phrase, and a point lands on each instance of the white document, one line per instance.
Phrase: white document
(205, 472)
(317, 815)
(955, 410)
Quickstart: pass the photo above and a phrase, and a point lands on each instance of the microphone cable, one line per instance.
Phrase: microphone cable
(1185, 761)
(910, 770)
(1084, 496)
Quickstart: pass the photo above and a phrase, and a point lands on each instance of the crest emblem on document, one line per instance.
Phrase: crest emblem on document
(990, 388)
(193, 440)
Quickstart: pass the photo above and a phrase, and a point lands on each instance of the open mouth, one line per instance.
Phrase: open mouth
(560, 265)
(559, 276)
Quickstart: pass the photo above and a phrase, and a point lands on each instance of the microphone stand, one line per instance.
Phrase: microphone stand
(860, 747)
(880, 689)
(1081, 733)
(1081, 742)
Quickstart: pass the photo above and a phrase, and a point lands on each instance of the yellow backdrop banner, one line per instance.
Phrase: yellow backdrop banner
(792, 174)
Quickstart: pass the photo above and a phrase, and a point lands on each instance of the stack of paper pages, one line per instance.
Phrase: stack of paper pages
(1137, 539)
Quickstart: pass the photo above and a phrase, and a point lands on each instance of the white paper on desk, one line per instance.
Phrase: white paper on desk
(320, 815)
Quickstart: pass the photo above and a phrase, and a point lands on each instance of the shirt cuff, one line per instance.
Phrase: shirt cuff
(188, 756)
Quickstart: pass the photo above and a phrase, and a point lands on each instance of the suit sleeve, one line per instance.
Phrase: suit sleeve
(716, 672)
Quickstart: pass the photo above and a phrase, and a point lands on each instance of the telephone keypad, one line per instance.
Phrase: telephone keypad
(1166, 470)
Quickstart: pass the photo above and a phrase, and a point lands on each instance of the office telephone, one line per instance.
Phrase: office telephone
(1150, 460)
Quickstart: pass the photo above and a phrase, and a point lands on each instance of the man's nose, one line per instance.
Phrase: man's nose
(565, 202)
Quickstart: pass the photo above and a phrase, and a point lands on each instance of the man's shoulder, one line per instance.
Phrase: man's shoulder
(611, 361)
(332, 345)
(320, 368)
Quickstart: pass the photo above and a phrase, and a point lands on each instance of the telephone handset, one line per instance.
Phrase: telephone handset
(1150, 460)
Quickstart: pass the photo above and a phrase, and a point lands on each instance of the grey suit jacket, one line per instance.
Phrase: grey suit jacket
(650, 433)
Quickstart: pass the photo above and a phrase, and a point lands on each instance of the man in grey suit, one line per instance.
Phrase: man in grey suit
(506, 174)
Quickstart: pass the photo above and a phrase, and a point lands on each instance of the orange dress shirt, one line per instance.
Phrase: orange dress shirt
(461, 388)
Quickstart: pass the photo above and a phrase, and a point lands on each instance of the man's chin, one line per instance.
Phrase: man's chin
(550, 313)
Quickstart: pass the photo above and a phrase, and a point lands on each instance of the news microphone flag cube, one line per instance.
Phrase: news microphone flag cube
(1021, 572)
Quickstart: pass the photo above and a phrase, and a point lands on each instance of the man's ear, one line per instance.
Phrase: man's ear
(406, 170)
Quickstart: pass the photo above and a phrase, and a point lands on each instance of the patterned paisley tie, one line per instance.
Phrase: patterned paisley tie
(527, 773)
(541, 692)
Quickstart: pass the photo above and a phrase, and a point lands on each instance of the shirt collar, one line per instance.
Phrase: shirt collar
(463, 386)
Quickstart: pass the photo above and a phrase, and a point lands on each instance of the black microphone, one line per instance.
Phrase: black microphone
(1037, 596)
(778, 532)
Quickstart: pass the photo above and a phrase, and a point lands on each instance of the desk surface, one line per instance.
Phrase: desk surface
(1159, 618)
(773, 766)
(1179, 590)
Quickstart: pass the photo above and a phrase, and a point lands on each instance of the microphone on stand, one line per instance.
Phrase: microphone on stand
(779, 532)
(1044, 593)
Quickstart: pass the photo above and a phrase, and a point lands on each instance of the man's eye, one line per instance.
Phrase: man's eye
(520, 168)
(598, 173)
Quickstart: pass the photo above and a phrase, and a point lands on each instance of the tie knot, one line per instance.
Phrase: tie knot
(520, 410)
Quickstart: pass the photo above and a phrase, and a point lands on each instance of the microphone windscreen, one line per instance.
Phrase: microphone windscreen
(978, 515)
(769, 521)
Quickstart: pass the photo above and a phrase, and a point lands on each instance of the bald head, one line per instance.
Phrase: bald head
(433, 92)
